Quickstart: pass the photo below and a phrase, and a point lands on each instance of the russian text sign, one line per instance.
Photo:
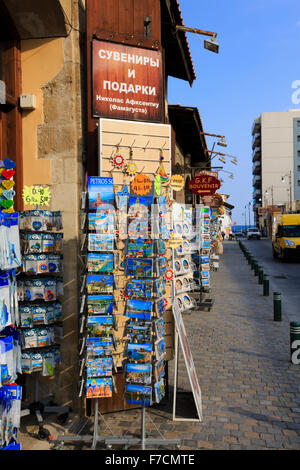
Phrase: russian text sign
(127, 82)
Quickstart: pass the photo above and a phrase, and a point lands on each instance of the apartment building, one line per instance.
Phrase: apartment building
(276, 160)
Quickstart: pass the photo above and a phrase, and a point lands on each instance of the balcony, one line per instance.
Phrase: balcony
(256, 181)
(256, 167)
(256, 126)
(256, 154)
(256, 141)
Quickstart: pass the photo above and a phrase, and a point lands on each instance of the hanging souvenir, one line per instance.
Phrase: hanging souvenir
(118, 161)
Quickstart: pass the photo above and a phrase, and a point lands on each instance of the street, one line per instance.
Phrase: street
(284, 276)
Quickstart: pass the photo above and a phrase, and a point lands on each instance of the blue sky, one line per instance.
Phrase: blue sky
(259, 59)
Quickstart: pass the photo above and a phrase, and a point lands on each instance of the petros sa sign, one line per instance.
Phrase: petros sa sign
(127, 82)
(204, 184)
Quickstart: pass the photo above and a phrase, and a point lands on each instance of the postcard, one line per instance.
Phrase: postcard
(160, 349)
(135, 305)
(101, 222)
(139, 289)
(139, 373)
(159, 369)
(159, 327)
(160, 306)
(97, 283)
(99, 347)
(138, 394)
(100, 263)
(100, 192)
(160, 288)
(100, 304)
(141, 333)
(139, 352)
(100, 242)
(99, 367)
(98, 388)
(159, 390)
(99, 325)
(140, 247)
(139, 267)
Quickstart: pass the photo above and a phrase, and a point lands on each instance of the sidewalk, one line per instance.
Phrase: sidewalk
(250, 390)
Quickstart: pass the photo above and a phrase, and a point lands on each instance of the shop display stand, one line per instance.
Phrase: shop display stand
(38, 407)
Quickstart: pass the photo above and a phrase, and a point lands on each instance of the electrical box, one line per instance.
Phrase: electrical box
(27, 101)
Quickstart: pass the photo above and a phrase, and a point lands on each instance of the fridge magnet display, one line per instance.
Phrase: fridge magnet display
(139, 352)
(100, 192)
(138, 373)
(97, 283)
(99, 325)
(138, 394)
(99, 304)
(99, 388)
(100, 263)
(100, 242)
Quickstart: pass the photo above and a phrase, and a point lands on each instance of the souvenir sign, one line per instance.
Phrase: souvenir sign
(141, 185)
(36, 195)
(204, 184)
(175, 241)
(177, 182)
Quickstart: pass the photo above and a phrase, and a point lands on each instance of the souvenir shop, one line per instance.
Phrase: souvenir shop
(146, 260)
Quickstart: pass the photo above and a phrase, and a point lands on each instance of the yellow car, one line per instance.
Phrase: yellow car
(286, 236)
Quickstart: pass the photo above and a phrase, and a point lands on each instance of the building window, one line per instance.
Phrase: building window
(298, 138)
(298, 168)
(298, 153)
(298, 123)
(298, 182)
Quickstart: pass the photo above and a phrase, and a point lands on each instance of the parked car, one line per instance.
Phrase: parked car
(253, 232)
(239, 235)
(286, 236)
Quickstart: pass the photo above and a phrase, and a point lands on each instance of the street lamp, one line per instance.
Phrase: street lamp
(209, 44)
(290, 186)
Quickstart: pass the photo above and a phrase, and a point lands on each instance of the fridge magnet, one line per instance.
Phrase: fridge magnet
(100, 263)
(139, 352)
(138, 373)
(138, 394)
(100, 192)
(97, 283)
(99, 388)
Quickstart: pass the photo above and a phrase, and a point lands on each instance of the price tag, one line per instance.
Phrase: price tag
(36, 195)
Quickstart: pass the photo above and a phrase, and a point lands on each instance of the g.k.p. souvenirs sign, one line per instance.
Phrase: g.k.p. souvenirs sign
(204, 184)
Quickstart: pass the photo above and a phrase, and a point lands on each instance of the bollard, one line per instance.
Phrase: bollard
(295, 342)
(253, 261)
(256, 269)
(249, 258)
(260, 275)
(266, 285)
(277, 306)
